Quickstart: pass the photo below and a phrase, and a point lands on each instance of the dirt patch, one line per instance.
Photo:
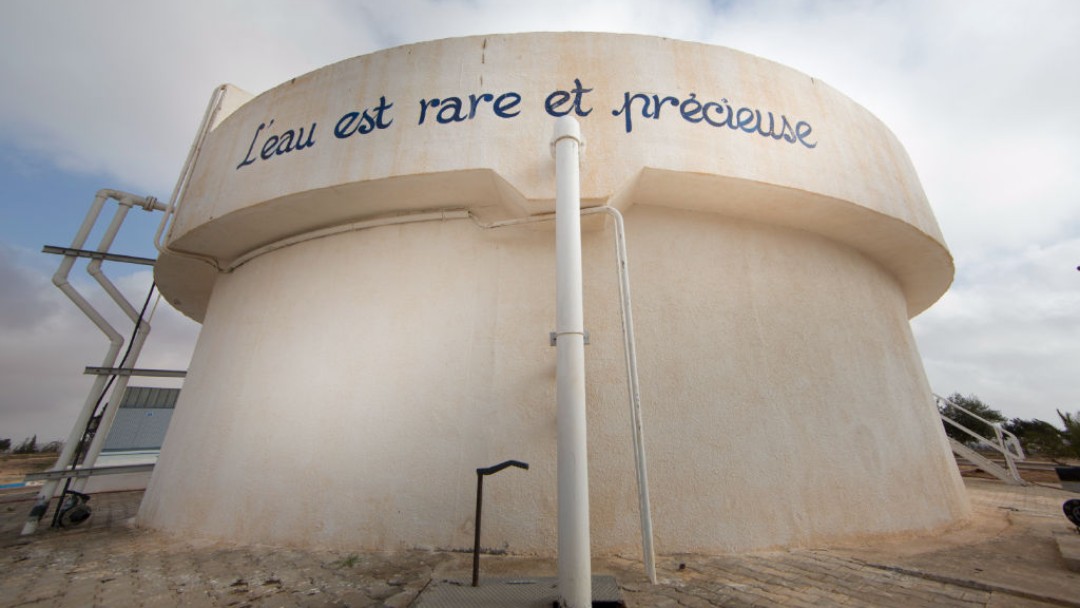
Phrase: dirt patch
(983, 523)
(13, 467)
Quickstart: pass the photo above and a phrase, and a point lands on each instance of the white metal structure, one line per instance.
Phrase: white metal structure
(634, 387)
(575, 568)
(116, 341)
(1003, 442)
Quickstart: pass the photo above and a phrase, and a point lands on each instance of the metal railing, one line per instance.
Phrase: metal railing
(1004, 442)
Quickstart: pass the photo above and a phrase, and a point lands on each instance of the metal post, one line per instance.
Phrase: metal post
(480, 473)
(575, 569)
(476, 536)
(1007, 452)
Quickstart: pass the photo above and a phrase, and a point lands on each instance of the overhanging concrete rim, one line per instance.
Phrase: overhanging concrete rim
(921, 263)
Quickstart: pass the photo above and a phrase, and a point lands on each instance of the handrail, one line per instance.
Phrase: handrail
(164, 229)
(1004, 442)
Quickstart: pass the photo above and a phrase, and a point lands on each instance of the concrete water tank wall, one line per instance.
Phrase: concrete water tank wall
(369, 340)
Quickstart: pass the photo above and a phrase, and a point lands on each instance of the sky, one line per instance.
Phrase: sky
(983, 94)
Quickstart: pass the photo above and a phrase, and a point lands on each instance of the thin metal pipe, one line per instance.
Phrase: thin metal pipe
(574, 542)
(480, 473)
(637, 431)
(94, 267)
(162, 245)
(476, 534)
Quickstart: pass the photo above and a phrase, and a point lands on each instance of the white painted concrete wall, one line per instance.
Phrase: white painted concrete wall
(345, 389)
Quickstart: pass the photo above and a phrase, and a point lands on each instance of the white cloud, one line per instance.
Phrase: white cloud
(46, 342)
(118, 87)
(1009, 332)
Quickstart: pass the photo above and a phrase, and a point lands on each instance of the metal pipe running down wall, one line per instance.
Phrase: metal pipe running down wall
(116, 341)
(637, 425)
(574, 541)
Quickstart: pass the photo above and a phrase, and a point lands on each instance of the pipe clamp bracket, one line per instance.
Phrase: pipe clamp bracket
(553, 337)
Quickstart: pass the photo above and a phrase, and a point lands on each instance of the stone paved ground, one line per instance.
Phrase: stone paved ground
(1005, 558)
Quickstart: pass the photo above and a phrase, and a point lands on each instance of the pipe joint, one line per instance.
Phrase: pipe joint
(106, 193)
(151, 203)
(568, 128)
(129, 200)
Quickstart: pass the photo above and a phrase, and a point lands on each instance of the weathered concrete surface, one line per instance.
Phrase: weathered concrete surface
(1068, 544)
(756, 380)
(366, 318)
(999, 559)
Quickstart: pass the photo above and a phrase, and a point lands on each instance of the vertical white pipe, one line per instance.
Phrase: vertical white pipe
(575, 569)
(637, 426)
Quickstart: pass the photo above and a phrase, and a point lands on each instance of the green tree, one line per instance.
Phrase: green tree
(28, 446)
(1072, 433)
(974, 405)
(53, 447)
(5, 445)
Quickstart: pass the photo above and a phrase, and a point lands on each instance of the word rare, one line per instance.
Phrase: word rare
(452, 109)
(716, 114)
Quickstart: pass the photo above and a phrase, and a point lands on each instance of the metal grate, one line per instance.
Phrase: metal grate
(521, 592)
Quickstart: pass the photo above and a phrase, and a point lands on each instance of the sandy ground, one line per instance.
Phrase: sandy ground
(1003, 556)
